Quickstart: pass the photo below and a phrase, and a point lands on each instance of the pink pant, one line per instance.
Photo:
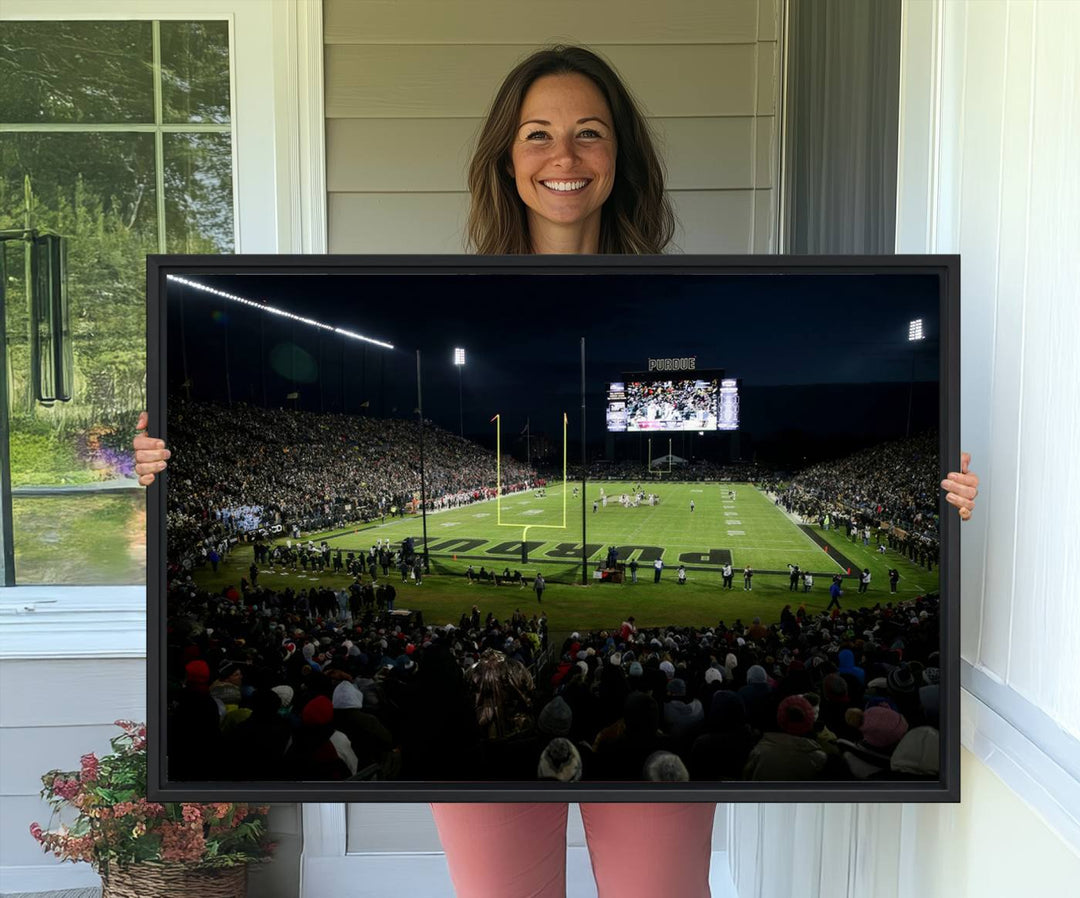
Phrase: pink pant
(519, 850)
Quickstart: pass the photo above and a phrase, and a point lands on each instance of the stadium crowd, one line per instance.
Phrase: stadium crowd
(893, 487)
(266, 686)
(694, 469)
(240, 469)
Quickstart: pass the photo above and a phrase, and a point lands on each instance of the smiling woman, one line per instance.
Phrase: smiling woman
(565, 163)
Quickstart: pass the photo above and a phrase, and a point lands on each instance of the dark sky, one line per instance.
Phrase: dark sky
(521, 333)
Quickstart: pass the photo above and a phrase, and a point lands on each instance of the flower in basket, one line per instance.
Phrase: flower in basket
(116, 827)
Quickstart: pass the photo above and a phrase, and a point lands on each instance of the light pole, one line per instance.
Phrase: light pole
(459, 363)
(915, 334)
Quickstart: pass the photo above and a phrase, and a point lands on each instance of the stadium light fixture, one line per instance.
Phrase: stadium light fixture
(459, 363)
(275, 311)
(914, 334)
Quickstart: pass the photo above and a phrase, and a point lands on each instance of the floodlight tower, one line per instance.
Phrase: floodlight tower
(915, 335)
(459, 363)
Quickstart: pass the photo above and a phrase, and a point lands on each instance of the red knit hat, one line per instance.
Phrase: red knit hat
(318, 711)
(198, 672)
(882, 727)
(795, 715)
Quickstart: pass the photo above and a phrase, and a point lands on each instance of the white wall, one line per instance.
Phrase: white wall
(988, 168)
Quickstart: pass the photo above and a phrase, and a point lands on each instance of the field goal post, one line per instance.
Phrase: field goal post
(498, 490)
(660, 471)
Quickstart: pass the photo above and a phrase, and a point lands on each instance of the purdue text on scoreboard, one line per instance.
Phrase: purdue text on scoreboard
(689, 364)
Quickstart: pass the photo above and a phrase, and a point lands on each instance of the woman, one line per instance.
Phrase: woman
(565, 164)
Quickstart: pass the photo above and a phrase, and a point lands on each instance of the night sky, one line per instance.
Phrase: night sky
(779, 334)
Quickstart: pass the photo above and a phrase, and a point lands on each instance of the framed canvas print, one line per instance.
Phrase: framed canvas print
(589, 528)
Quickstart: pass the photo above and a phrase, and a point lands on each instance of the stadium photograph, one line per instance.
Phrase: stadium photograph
(572, 527)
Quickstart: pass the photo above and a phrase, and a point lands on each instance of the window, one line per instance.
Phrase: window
(118, 136)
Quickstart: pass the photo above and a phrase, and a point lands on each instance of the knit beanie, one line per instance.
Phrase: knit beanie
(318, 711)
(555, 717)
(918, 752)
(882, 727)
(560, 761)
(285, 693)
(665, 767)
(197, 673)
(795, 716)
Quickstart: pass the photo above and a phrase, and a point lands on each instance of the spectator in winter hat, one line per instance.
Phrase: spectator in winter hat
(757, 695)
(369, 740)
(682, 717)
(665, 767)
(882, 727)
(796, 716)
(314, 753)
(846, 666)
(917, 753)
(194, 727)
(787, 755)
(560, 761)
(555, 718)
(903, 689)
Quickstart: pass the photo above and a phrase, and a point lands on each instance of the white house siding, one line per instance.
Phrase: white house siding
(408, 82)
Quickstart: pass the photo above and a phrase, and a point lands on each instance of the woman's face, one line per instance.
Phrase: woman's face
(563, 154)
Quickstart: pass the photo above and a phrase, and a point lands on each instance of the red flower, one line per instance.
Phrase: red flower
(66, 789)
(89, 768)
(182, 842)
(36, 832)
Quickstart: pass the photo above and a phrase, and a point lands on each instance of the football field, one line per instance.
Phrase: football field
(747, 528)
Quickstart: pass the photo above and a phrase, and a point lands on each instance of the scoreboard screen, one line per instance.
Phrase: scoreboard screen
(665, 406)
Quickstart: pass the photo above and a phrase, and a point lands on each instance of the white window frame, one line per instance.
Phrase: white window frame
(279, 200)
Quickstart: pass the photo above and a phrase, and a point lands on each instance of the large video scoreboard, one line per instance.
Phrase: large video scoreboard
(682, 400)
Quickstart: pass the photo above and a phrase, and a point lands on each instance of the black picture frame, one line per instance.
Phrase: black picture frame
(946, 268)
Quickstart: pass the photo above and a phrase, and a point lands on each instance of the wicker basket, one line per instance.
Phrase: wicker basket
(174, 881)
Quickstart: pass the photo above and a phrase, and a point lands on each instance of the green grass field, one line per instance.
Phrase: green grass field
(751, 528)
(81, 539)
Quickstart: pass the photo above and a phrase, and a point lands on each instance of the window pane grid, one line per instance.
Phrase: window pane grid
(167, 98)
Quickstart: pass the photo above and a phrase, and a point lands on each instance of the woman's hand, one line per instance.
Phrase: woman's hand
(962, 487)
(150, 454)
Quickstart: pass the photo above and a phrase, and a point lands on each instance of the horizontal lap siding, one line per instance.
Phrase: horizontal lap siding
(80, 699)
(408, 83)
(460, 80)
(425, 155)
(524, 22)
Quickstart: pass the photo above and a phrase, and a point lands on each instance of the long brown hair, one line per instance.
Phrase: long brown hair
(637, 216)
